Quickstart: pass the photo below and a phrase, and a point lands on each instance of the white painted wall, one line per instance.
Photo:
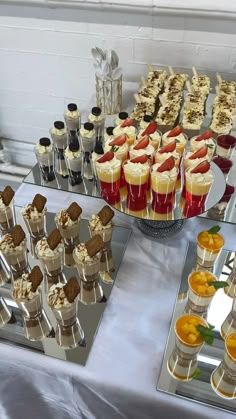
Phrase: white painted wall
(45, 62)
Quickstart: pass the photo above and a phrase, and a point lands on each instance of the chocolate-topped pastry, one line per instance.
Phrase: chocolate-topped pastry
(39, 202)
(106, 214)
(71, 289)
(94, 245)
(18, 235)
(74, 211)
(54, 239)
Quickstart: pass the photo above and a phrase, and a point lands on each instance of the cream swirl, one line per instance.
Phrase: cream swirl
(86, 133)
(63, 219)
(82, 254)
(41, 149)
(96, 118)
(109, 165)
(96, 224)
(180, 139)
(167, 175)
(30, 212)
(70, 155)
(43, 249)
(57, 298)
(22, 288)
(136, 168)
(119, 130)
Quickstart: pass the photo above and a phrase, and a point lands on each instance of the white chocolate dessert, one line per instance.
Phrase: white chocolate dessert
(221, 122)
(141, 109)
(168, 114)
(202, 83)
(193, 119)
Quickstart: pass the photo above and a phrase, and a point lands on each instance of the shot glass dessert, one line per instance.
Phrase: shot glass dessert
(88, 141)
(198, 182)
(7, 213)
(73, 159)
(204, 139)
(169, 150)
(50, 253)
(229, 324)
(230, 290)
(34, 216)
(45, 156)
(193, 159)
(63, 300)
(102, 225)
(209, 245)
(223, 378)
(13, 250)
(218, 212)
(87, 258)
(119, 147)
(68, 223)
(189, 339)
(177, 135)
(153, 134)
(27, 294)
(108, 168)
(97, 118)
(224, 164)
(225, 146)
(163, 183)
(59, 138)
(137, 173)
(201, 292)
(142, 147)
(127, 128)
(72, 117)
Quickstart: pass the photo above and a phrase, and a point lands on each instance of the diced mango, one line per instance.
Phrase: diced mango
(205, 234)
(201, 289)
(185, 328)
(192, 329)
(202, 281)
(193, 321)
(231, 343)
(197, 277)
(211, 241)
(215, 236)
(192, 338)
(211, 290)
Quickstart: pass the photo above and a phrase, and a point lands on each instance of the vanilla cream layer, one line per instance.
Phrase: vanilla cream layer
(180, 139)
(136, 173)
(163, 182)
(129, 131)
(198, 183)
(149, 151)
(86, 133)
(41, 149)
(109, 171)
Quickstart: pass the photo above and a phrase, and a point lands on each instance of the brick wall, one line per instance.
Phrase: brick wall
(46, 63)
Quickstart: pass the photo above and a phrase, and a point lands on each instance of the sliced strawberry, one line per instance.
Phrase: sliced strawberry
(167, 165)
(175, 131)
(205, 136)
(119, 141)
(201, 167)
(140, 159)
(127, 123)
(106, 157)
(142, 143)
(201, 152)
(169, 148)
(151, 128)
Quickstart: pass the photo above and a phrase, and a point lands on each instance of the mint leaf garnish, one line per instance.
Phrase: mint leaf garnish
(197, 374)
(114, 148)
(218, 284)
(177, 141)
(206, 333)
(214, 230)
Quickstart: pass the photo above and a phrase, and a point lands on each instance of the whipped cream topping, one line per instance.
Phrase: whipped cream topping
(222, 122)
(149, 150)
(72, 114)
(195, 145)
(70, 155)
(56, 131)
(109, 165)
(199, 177)
(180, 139)
(143, 125)
(96, 224)
(64, 220)
(120, 150)
(96, 118)
(154, 137)
(41, 149)
(160, 157)
(108, 138)
(136, 168)
(22, 288)
(57, 298)
(82, 254)
(119, 121)
(130, 131)
(43, 249)
(32, 213)
(86, 133)
(7, 245)
(164, 176)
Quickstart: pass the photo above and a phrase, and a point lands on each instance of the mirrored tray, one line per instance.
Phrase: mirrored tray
(89, 315)
(199, 389)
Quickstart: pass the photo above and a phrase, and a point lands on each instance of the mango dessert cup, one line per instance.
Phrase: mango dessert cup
(208, 247)
(201, 291)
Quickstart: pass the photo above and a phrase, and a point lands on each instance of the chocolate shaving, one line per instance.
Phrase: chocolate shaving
(71, 289)
(74, 211)
(94, 245)
(18, 235)
(39, 202)
(54, 239)
(7, 195)
(36, 278)
(106, 214)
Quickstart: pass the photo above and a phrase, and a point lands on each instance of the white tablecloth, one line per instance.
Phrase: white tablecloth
(121, 374)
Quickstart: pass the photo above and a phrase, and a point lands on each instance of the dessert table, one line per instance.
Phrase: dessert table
(121, 374)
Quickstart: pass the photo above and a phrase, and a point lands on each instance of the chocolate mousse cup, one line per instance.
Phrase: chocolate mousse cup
(46, 161)
(74, 166)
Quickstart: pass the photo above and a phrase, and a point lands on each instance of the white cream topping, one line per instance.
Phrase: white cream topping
(7, 245)
(160, 157)
(195, 145)
(64, 220)
(154, 137)
(70, 155)
(130, 131)
(22, 288)
(41, 149)
(56, 131)
(96, 224)
(122, 149)
(82, 254)
(32, 213)
(57, 298)
(180, 139)
(199, 177)
(143, 125)
(86, 133)
(112, 164)
(72, 114)
(136, 168)
(108, 138)
(119, 121)
(149, 150)
(44, 250)
(167, 175)
(96, 118)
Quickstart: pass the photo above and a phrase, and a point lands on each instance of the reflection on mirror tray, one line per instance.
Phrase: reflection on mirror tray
(57, 309)
(200, 356)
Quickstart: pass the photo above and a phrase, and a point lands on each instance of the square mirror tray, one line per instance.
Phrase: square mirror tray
(199, 389)
(89, 315)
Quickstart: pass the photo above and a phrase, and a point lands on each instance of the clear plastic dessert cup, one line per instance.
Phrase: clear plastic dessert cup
(208, 248)
(7, 218)
(163, 192)
(74, 167)
(59, 138)
(200, 295)
(109, 179)
(16, 259)
(90, 292)
(224, 164)
(70, 233)
(52, 265)
(88, 271)
(36, 226)
(197, 190)
(182, 362)
(230, 290)
(218, 212)
(72, 118)
(46, 162)
(106, 260)
(225, 146)
(223, 378)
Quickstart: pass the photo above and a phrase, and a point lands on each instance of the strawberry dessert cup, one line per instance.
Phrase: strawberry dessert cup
(177, 135)
(120, 148)
(224, 164)
(127, 128)
(225, 145)
(142, 147)
(163, 183)
(108, 169)
(204, 139)
(153, 134)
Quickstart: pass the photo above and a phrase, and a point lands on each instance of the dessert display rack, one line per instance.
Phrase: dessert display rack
(199, 389)
(89, 315)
